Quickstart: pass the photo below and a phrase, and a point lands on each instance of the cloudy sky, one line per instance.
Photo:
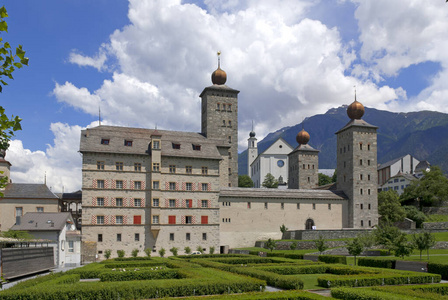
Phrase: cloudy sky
(145, 62)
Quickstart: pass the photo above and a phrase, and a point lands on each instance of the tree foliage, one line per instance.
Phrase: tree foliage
(245, 181)
(402, 247)
(355, 247)
(174, 250)
(270, 244)
(320, 244)
(293, 246)
(283, 228)
(270, 182)
(423, 241)
(430, 190)
(415, 215)
(324, 179)
(17, 234)
(386, 235)
(187, 250)
(389, 207)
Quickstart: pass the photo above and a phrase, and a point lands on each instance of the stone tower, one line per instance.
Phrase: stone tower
(5, 166)
(220, 117)
(357, 168)
(303, 164)
(252, 150)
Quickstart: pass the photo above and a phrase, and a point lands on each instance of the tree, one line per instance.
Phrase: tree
(187, 250)
(367, 239)
(389, 207)
(402, 247)
(245, 181)
(430, 190)
(8, 63)
(107, 253)
(148, 252)
(283, 228)
(174, 251)
(416, 215)
(320, 244)
(355, 247)
(135, 252)
(386, 236)
(293, 246)
(162, 252)
(324, 179)
(212, 250)
(200, 249)
(121, 253)
(16, 234)
(423, 241)
(270, 244)
(270, 182)
(334, 178)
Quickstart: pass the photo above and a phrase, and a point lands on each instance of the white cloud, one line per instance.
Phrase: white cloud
(61, 163)
(97, 62)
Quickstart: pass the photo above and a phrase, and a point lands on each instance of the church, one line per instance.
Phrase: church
(154, 189)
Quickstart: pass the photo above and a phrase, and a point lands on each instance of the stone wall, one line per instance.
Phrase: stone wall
(326, 234)
(301, 245)
(435, 210)
(435, 225)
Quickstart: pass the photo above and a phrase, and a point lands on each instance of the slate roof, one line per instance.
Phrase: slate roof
(305, 147)
(70, 196)
(422, 166)
(299, 194)
(409, 177)
(141, 138)
(219, 88)
(389, 163)
(358, 123)
(43, 221)
(28, 191)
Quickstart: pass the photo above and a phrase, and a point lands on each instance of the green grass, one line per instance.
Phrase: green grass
(437, 218)
(310, 281)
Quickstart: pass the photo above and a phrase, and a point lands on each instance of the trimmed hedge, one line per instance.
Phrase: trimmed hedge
(294, 256)
(365, 294)
(377, 263)
(433, 291)
(134, 264)
(438, 268)
(132, 258)
(291, 270)
(279, 281)
(139, 275)
(333, 259)
(284, 295)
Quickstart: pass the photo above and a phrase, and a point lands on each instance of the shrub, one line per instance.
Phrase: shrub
(148, 252)
(174, 251)
(135, 252)
(162, 252)
(107, 253)
(320, 244)
(333, 259)
(120, 253)
(441, 269)
(200, 249)
(187, 250)
(377, 263)
(294, 256)
(138, 275)
(212, 250)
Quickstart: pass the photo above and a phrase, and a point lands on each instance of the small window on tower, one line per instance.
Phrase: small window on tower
(223, 122)
(105, 141)
(229, 107)
(176, 146)
(218, 106)
(197, 147)
(230, 139)
(128, 143)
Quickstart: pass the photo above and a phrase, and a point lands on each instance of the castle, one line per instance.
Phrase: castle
(154, 189)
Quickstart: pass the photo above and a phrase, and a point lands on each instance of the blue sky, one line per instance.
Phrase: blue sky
(145, 63)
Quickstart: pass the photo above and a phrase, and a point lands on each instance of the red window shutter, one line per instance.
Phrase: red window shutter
(171, 219)
(137, 219)
(204, 219)
(190, 203)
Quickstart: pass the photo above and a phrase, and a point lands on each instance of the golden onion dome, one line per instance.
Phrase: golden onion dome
(303, 137)
(219, 76)
(355, 110)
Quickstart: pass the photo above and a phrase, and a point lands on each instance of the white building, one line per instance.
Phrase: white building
(273, 160)
(398, 182)
(405, 164)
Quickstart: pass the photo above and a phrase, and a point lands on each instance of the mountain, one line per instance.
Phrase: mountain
(422, 134)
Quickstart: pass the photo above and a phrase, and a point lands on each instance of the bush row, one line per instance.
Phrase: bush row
(138, 275)
(291, 270)
(333, 259)
(379, 279)
(250, 260)
(284, 295)
(366, 294)
(433, 291)
(377, 263)
(132, 258)
(272, 279)
(441, 269)
(134, 264)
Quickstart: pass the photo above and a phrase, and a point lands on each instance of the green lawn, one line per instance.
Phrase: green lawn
(437, 218)
(310, 281)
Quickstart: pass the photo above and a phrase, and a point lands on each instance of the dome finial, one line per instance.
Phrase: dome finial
(219, 76)
(355, 91)
(252, 133)
(355, 111)
(303, 137)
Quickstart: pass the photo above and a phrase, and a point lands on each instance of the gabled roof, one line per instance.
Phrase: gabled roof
(141, 138)
(28, 191)
(219, 88)
(358, 123)
(299, 194)
(70, 196)
(43, 221)
(389, 163)
(422, 166)
(274, 143)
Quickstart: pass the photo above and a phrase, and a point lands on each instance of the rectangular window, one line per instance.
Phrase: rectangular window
(105, 141)
(172, 186)
(204, 170)
(100, 237)
(229, 107)
(155, 185)
(99, 219)
(204, 219)
(136, 237)
(100, 165)
(155, 219)
(368, 162)
(360, 191)
(360, 162)
(368, 148)
(119, 184)
(71, 246)
(370, 223)
(155, 144)
(204, 203)
(100, 184)
(362, 223)
(171, 219)
(188, 220)
(204, 236)
(197, 147)
(248, 205)
(39, 209)
(230, 123)
(119, 166)
(314, 205)
(282, 205)
(362, 206)
(119, 219)
(368, 206)
(137, 167)
(217, 106)
(171, 236)
(137, 202)
(298, 205)
(172, 202)
(118, 237)
(99, 201)
(368, 190)
(204, 186)
(329, 206)
(187, 236)
(155, 167)
(188, 186)
(118, 201)
(360, 146)
(188, 169)
(137, 220)
(368, 177)
(176, 146)
(155, 202)
(230, 139)
(128, 143)
(137, 185)
(265, 205)
(188, 203)
(172, 169)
